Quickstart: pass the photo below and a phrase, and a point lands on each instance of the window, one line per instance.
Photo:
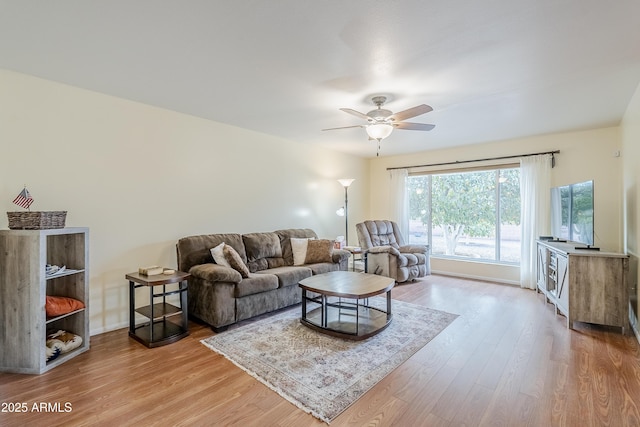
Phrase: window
(469, 215)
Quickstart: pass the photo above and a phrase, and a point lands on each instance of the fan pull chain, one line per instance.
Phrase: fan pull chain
(378, 152)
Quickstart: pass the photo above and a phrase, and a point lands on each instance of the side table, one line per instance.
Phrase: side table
(356, 251)
(159, 329)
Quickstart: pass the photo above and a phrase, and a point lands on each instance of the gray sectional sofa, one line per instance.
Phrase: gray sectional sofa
(220, 296)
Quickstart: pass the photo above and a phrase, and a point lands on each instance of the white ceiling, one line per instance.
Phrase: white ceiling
(492, 70)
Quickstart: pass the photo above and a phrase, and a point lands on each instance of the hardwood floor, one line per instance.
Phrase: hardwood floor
(508, 360)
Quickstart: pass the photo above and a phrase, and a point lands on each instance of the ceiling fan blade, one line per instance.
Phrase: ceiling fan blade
(413, 126)
(355, 113)
(345, 127)
(411, 112)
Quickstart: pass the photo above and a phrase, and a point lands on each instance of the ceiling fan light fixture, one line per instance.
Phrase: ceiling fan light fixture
(379, 131)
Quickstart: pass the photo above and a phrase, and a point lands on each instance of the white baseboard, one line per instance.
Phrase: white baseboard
(110, 328)
(471, 276)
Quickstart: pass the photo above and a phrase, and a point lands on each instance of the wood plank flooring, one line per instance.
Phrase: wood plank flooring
(508, 360)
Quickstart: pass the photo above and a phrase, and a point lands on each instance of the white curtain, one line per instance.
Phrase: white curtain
(398, 201)
(535, 187)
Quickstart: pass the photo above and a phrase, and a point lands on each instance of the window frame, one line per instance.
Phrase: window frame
(496, 168)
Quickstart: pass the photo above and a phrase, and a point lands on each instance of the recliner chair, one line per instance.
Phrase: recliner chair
(388, 255)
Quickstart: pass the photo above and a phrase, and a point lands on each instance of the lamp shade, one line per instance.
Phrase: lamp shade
(379, 130)
(346, 181)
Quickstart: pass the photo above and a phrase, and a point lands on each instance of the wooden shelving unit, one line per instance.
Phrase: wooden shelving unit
(24, 286)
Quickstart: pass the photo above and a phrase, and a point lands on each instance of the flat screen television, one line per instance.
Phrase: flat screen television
(572, 212)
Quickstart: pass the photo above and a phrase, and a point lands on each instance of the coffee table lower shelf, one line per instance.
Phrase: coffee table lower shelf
(350, 319)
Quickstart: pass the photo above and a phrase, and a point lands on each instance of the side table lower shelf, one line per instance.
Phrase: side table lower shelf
(167, 330)
(167, 323)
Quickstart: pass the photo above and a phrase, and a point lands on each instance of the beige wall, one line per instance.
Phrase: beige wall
(587, 155)
(141, 177)
(630, 130)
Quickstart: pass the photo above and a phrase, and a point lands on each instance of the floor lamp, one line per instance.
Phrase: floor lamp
(346, 182)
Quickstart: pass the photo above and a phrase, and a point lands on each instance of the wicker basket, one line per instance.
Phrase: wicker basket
(36, 220)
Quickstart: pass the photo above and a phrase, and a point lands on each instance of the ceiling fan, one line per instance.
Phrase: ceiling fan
(381, 122)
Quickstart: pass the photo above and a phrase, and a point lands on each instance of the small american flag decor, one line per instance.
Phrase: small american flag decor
(23, 199)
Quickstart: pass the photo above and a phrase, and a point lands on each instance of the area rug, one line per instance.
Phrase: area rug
(320, 374)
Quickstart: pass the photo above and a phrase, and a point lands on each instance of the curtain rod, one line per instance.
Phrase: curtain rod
(457, 162)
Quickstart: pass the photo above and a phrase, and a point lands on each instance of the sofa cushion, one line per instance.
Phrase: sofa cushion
(255, 284)
(289, 275)
(318, 251)
(264, 263)
(257, 265)
(275, 262)
(259, 247)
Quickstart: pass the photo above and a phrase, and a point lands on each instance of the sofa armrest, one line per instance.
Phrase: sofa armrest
(340, 255)
(414, 249)
(215, 273)
(384, 249)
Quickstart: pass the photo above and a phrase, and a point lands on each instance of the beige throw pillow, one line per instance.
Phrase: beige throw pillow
(299, 249)
(319, 251)
(218, 255)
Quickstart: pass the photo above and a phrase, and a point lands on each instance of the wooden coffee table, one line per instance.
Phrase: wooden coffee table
(342, 300)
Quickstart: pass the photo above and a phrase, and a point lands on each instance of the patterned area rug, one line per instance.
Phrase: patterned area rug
(320, 374)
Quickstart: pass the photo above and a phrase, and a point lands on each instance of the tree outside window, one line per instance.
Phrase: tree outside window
(467, 214)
